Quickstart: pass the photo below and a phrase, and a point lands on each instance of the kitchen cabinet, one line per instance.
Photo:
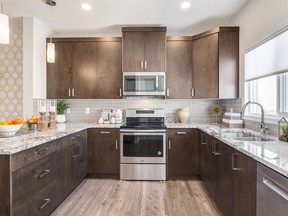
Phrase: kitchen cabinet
(74, 161)
(103, 151)
(179, 68)
(144, 49)
(244, 184)
(183, 152)
(215, 63)
(35, 180)
(208, 164)
(229, 176)
(85, 69)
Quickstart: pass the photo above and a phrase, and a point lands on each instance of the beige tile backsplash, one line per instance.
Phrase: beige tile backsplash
(199, 109)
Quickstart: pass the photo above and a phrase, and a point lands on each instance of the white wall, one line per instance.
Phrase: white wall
(27, 66)
(40, 33)
(258, 20)
(34, 62)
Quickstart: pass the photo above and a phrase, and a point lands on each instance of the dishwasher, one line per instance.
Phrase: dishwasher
(272, 192)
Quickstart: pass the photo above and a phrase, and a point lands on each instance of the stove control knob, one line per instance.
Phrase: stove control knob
(159, 152)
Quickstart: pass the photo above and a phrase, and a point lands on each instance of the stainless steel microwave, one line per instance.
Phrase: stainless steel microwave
(144, 84)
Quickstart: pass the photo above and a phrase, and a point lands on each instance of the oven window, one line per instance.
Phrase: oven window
(143, 145)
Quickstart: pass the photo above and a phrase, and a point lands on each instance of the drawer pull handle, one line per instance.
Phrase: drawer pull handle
(42, 150)
(75, 137)
(203, 142)
(116, 144)
(105, 132)
(181, 133)
(46, 201)
(233, 162)
(44, 173)
(169, 145)
(281, 192)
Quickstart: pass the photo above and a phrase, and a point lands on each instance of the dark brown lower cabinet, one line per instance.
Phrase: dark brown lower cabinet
(183, 152)
(244, 184)
(74, 159)
(229, 176)
(207, 164)
(35, 181)
(103, 151)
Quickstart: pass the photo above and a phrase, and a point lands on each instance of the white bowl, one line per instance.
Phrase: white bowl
(9, 130)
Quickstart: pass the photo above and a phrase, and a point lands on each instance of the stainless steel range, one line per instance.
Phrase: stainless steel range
(143, 145)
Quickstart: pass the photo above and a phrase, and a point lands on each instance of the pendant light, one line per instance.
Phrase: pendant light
(50, 44)
(4, 27)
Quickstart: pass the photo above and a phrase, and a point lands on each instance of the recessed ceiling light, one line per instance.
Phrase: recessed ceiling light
(86, 6)
(185, 5)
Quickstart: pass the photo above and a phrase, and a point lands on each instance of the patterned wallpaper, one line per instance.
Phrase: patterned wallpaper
(11, 76)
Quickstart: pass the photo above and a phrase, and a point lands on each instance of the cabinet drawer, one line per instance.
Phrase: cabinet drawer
(42, 203)
(32, 178)
(28, 156)
(180, 132)
(104, 132)
(79, 137)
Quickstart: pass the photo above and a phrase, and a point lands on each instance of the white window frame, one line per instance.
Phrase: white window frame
(280, 102)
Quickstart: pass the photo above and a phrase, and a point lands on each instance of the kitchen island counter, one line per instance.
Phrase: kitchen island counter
(19, 143)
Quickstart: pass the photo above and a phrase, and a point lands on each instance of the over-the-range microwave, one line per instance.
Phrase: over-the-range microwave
(144, 84)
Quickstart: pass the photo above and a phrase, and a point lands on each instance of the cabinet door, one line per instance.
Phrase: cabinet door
(155, 52)
(59, 74)
(109, 69)
(244, 179)
(133, 51)
(84, 70)
(183, 152)
(205, 79)
(103, 151)
(179, 68)
(81, 169)
(224, 183)
(208, 164)
(69, 161)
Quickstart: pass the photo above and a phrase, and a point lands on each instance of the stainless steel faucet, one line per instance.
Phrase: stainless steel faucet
(263, 126)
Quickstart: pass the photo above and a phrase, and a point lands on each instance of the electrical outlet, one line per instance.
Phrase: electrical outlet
(68, 111)
(87, 110)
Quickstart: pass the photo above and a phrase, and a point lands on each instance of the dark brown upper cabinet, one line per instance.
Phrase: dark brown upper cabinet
(179, 68)
(215, 63)
(85, 68)
(144, 49)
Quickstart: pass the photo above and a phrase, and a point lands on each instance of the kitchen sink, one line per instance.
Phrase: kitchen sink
(252, 138)
(242, 136)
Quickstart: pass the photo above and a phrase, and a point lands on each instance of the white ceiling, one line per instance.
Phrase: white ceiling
(108, 16)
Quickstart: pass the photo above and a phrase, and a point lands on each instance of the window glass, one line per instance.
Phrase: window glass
(264, 91)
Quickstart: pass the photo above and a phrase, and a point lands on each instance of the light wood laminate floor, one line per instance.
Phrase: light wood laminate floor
(105, 197)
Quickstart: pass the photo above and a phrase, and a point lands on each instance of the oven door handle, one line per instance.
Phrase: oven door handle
(142, 131)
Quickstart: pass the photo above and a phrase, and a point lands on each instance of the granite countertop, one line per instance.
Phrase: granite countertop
(19, 143)
(273, 154)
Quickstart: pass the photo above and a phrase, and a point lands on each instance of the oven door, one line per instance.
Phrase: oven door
(143, 147)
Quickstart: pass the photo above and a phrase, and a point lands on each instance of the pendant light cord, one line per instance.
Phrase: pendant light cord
(51, 2)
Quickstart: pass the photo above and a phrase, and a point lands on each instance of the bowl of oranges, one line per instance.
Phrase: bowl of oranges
(10, 127)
